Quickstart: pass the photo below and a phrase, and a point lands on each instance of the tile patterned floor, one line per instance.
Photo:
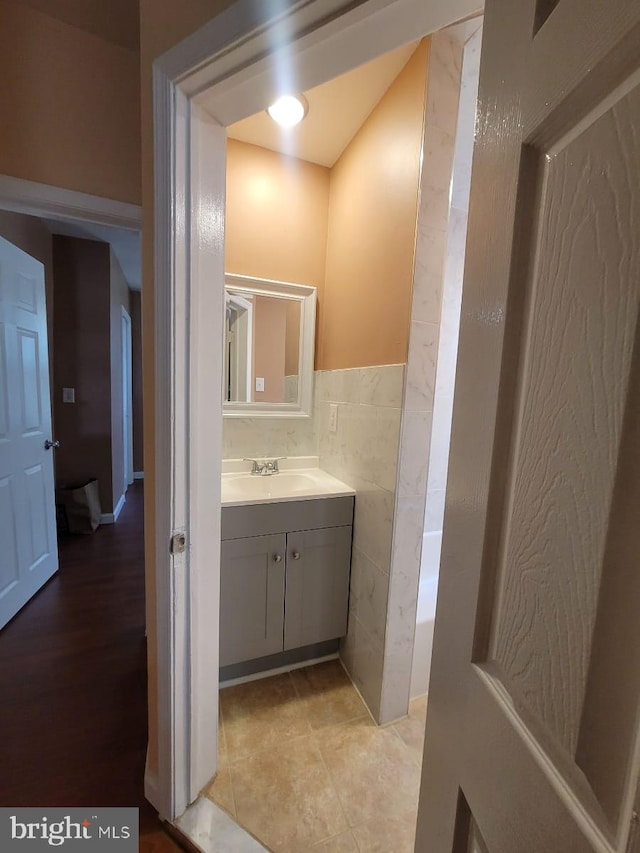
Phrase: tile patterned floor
(304, 768)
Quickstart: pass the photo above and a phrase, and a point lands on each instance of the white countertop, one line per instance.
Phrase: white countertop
(299, 480)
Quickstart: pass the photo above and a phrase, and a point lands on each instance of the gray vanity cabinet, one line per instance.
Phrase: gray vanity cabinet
(317, 586)
(251, 597)
(286, 586)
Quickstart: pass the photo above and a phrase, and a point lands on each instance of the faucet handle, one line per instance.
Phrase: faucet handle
(257, 467)
(272, 464)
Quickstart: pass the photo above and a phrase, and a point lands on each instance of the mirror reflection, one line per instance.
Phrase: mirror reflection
(262, 347)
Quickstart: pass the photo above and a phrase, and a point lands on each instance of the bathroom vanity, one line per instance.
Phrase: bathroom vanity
(286, 558)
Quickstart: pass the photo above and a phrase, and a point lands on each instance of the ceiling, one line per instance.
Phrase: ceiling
(337, 110)
(125, 244)
(117, 21)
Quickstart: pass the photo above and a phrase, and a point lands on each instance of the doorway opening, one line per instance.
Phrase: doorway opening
(356, 390)
(190, 138)
(76, 726)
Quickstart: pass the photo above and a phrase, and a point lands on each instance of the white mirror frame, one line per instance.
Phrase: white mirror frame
(306, 296)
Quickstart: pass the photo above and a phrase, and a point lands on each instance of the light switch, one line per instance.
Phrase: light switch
(333, 417)
(68, 395)
(259, 383)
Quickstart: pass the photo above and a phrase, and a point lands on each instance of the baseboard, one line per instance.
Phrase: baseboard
(151, 785)
(112, 517)
(138, 475)
(278, 670)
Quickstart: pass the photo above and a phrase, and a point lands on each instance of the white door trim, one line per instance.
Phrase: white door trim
(227, 54)
(21, 196)
(127, 398)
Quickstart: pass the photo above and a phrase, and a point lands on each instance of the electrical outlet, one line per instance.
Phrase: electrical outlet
(68, 395)
(333, 417)
(259, 383)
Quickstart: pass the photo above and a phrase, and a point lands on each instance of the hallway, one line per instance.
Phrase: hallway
(73, 680)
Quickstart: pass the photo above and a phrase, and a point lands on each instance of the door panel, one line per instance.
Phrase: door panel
(9, 566)
(29, 384)
(317, 591)
(38, 514)
(534, 699)
(251, 597)
(4, 386)
(576, 355)
(29, 544)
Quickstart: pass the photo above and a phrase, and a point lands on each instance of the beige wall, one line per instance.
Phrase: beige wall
(119, 299)
(82, 361)
(269, 332)
(29, 234)
(71, 106)
(276, 217)
(136, 359)
(372, 222)
(292, 340)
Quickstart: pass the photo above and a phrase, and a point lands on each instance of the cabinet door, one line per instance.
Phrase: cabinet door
(317, 586)
(251, 598)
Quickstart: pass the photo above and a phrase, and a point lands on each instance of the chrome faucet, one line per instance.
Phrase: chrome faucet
(265, 467)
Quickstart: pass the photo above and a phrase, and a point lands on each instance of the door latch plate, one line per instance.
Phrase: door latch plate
(178, 543)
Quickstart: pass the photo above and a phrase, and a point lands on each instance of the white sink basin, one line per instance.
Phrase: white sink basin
(243, 488)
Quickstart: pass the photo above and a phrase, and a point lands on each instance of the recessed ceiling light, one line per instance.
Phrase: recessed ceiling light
(289, 110)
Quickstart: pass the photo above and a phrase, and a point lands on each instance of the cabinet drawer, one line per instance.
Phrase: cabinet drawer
(264, 519)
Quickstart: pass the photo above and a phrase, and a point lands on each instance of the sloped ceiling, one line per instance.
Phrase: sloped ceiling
(337, 110)
(117, 21)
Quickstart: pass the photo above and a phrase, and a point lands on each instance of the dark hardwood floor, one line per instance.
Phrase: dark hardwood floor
(73, 702)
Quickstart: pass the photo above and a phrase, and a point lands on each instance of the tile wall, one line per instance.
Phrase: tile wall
(443, 84)
(446, 365)
(256, 437)
(363, 452)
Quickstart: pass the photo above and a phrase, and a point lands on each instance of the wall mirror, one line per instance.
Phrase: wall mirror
(268, 348)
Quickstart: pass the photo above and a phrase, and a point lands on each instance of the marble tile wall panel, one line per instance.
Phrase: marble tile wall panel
(363, 452)
(417, 428)
(257, 437)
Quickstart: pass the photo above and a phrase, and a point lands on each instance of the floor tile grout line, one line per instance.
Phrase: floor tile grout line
(335, 791)
(233, 794)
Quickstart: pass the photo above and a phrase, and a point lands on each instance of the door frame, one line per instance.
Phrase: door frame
(127, 396)
(231, 60)
(18, 195)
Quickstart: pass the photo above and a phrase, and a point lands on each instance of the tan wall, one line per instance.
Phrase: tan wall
(119, 299)
(136, 364)
(29, 234)
(71, 106)
(372, 223)
(276, 216)
(269, 331)
(292, 340)
(82, 361)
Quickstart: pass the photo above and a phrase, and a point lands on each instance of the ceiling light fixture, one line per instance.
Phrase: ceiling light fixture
(289, 110)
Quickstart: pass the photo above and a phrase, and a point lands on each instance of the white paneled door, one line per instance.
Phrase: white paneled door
(28, 544)
(533, 727)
